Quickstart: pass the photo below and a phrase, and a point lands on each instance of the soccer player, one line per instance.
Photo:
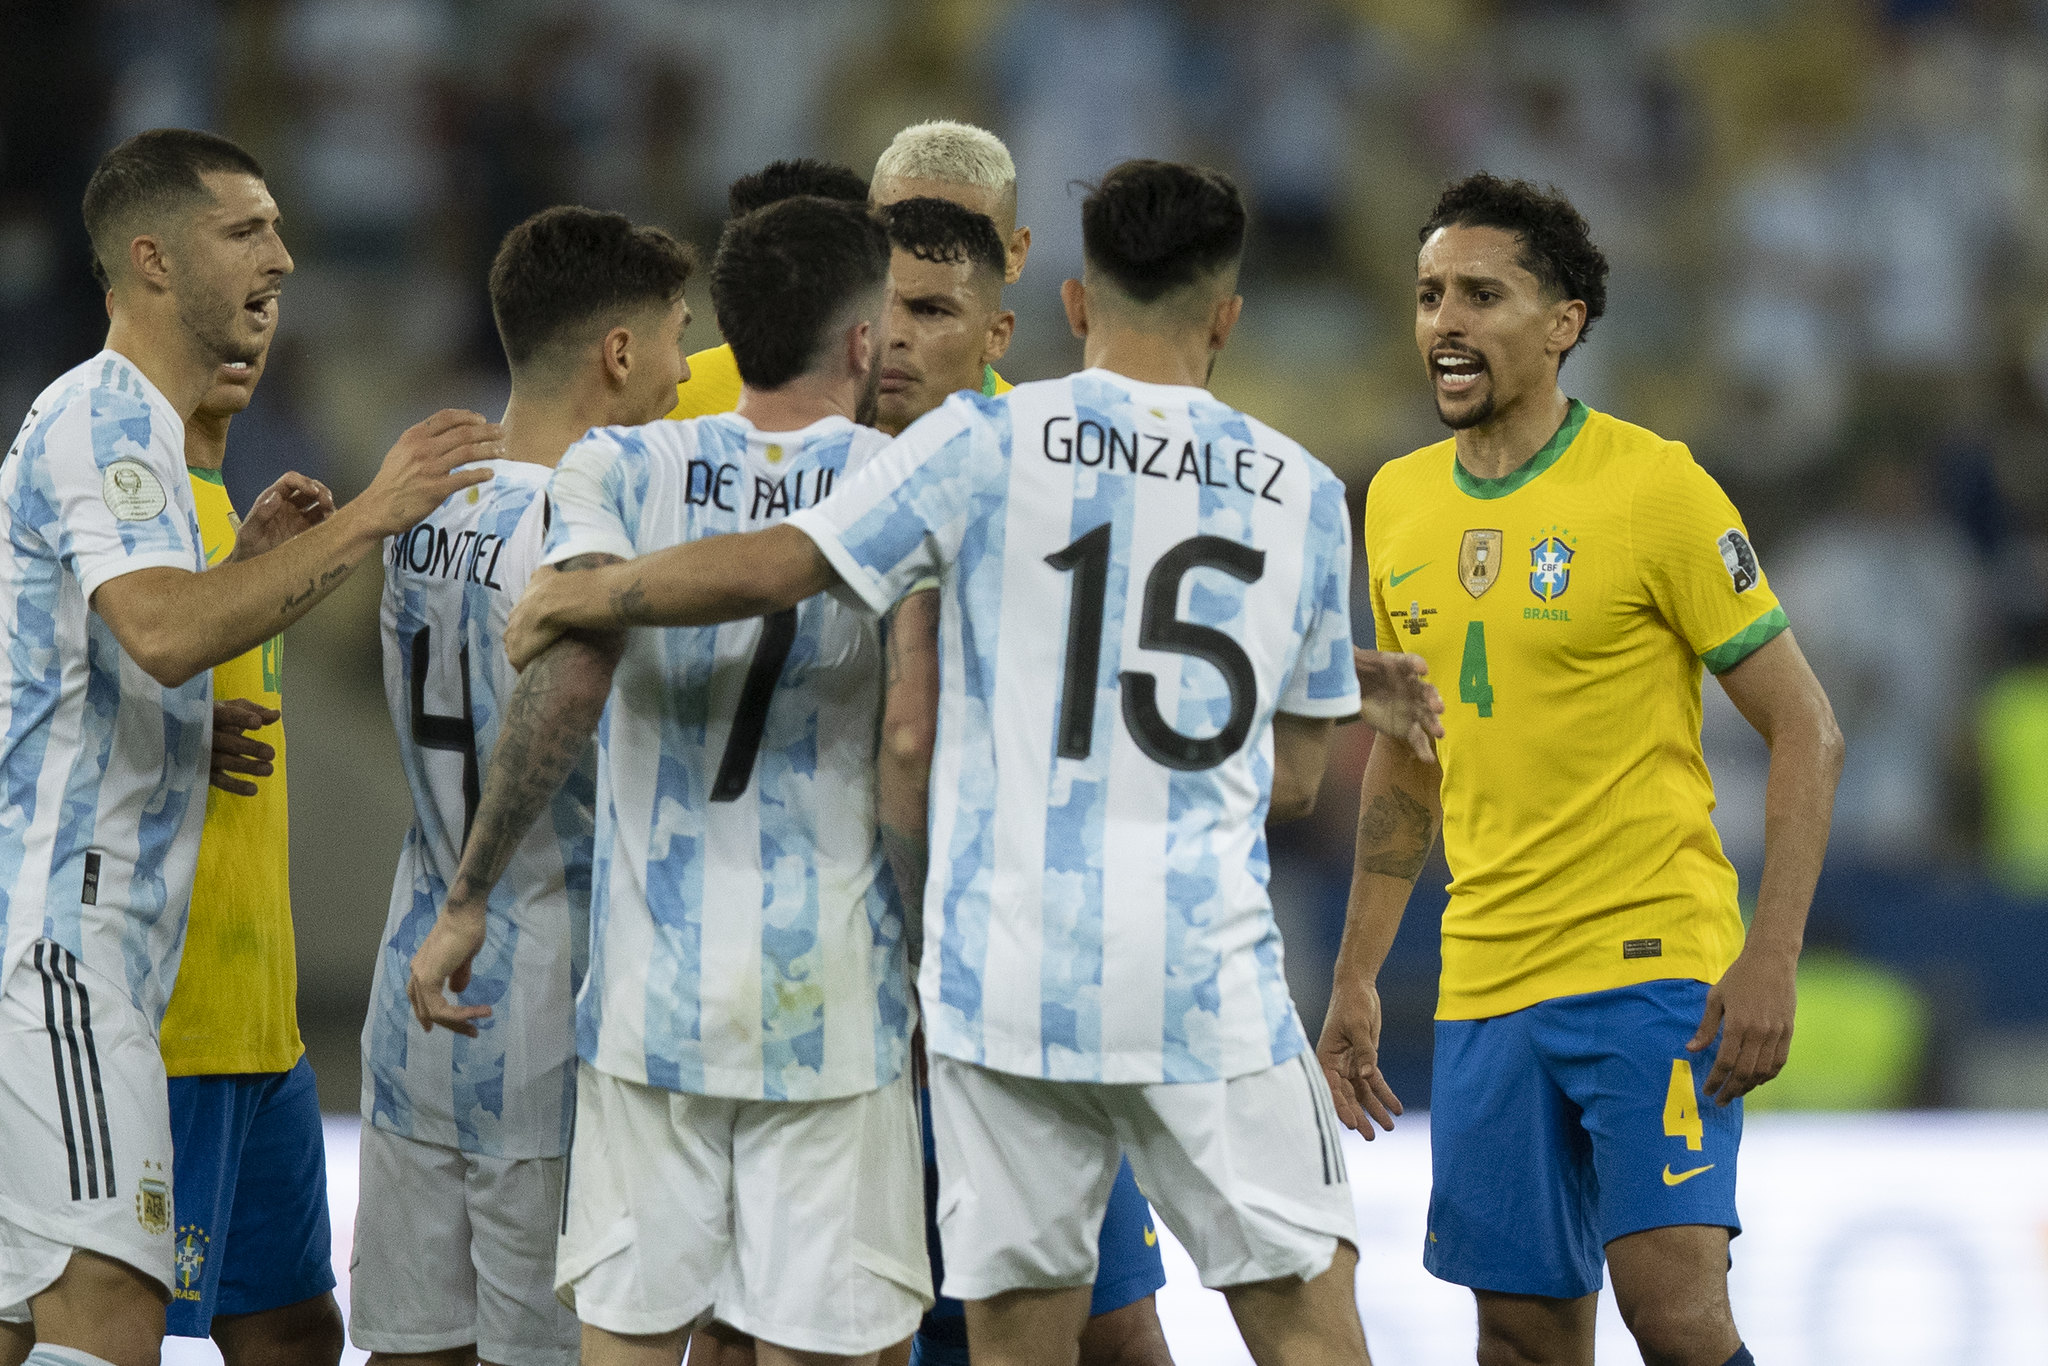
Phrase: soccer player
(746, 1137)
(1601, 1010)
(1144, 609)
(114, 621)
(252, 1263)
(464, 1138)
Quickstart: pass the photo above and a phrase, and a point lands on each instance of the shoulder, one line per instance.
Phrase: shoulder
(1404, 477)
(1644, 465)
(103, 405)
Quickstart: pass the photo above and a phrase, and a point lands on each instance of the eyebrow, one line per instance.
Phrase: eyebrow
(1479, 281)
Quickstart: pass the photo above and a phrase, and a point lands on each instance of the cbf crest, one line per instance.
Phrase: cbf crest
(1479, 561)
(1550, 564)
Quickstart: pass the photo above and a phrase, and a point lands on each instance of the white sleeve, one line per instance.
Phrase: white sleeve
(587, 503)
(1323, 682)
(116, 476)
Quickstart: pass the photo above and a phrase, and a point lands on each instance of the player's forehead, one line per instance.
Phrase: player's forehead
(913, 276)
(975, 198)
(1462, 252)
(237, 197)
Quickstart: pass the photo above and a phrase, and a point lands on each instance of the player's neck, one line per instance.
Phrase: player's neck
(206, 444)
(1150, 357)
(1511, 437)
(167, 357)
(540, 431)
(797, 404)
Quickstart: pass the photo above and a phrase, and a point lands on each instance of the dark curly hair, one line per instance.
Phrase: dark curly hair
(1557, 246)
(570, 267)
(941, 231)
(780, 180)
(1154, 226)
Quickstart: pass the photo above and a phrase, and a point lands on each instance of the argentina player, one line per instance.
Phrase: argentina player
(1145, 644)
(465, 1136)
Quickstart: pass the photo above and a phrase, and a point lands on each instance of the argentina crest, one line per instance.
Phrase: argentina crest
(1550, 564)
(1479, 560)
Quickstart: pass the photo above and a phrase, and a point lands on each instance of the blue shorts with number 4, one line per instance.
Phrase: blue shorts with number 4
(1559, 1128)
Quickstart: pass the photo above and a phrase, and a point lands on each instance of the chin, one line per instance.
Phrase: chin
(1471, 414)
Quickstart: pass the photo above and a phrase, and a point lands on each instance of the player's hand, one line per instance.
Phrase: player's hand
(295, 503)
(1395, 699)
(532, 627)
(419, 472)
(1752, 1007)
(1349, 1051)
(233, 751)
(441, 966)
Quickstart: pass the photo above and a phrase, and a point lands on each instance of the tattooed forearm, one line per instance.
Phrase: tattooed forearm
(629, 602)
(1394, 836)
(548, 723)
(329, 577)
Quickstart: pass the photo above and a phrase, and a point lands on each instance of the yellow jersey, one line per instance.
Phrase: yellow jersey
(1566, 611)
(714, 384)
(235, 1005)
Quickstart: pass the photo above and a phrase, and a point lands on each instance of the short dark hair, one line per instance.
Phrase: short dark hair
(941, 231)
(1154, 226)
(780, 180)
(568, 266)
(1557, 246)
(786, 274)
(152, 173)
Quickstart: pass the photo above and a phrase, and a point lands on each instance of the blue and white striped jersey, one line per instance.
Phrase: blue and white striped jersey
(1134, 579)
(745, 939)
(449, 585)
(105, 768)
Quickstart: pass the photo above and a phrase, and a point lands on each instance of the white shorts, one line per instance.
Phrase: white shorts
(454, 1248)
(85, 1126)
(799, 1222)
(1248, 1173)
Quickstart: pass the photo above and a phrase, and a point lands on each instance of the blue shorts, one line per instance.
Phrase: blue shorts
(249, 1194)
(1559, 1128)
(1127, 1270)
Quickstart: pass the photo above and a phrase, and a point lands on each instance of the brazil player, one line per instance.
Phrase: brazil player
(1144, 613)
(116, 620)
(464, 1139)
(252, 1248)
(746, 1134)
(1601, 1009)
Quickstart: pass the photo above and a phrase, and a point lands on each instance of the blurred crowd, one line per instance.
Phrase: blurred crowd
(1827, 222)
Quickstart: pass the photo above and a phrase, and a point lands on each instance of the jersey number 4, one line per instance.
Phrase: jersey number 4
(1159, 628)
(456, 734)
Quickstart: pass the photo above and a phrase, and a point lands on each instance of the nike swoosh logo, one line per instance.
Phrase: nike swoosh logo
(1682, 1177)
(1395, 580)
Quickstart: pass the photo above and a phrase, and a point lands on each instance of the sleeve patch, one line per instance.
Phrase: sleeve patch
(132, 491)
(1740, 557)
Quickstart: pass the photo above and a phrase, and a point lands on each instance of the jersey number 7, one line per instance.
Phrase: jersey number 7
(1159, 628)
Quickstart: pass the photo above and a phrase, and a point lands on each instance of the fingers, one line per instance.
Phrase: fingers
(1379, 1098)
(239, 713)
(228, 744)
(448, 419)
(1748, 1058)
(432, 1008)
(1346, 1100)
(239, 787)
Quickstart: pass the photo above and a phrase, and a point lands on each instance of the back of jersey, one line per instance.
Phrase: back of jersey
(1135, 579)
(449, 586)
(743, 943)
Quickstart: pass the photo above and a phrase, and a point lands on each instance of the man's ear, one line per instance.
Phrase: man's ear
(862, 343)
(1223, 318)
(616, 354)
(1000, 329)
(1014, 252)
(146, 255)
(1074, 295)
(1566, 325)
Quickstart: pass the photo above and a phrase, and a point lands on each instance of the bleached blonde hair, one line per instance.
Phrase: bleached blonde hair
(957, 153)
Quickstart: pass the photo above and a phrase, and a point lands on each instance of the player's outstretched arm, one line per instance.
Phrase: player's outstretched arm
(697, 583)
(548, 723)
(177, 624)
(910, 724)
(1752, 1005)
(1399, 811)
(1396, 699)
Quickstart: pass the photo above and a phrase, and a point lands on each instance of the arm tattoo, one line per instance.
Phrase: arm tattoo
(629, 602)
(329, 577)
(547, 728)
(910, 859)
(1394, 836)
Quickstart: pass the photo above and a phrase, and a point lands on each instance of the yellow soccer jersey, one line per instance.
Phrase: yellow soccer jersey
(235, 1005)
(714, 384)
(1565, 611)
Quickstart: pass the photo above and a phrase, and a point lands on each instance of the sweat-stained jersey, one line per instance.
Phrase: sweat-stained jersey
(235, 1008)
(1566, 611)
(745, 940)
(104, 768)
(1133, 579)
(714, 384)
(449, 587)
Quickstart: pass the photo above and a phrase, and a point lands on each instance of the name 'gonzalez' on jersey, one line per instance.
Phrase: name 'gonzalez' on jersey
(745, 940)
(1134, 579)
(450, 585)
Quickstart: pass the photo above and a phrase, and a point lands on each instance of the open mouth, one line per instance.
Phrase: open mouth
(1456, 373)
(262, 308)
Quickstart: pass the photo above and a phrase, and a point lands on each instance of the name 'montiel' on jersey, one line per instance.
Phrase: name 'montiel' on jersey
(450, 584)
(744, 938)
(1566, 611)
(1134, 579)
(104, 767)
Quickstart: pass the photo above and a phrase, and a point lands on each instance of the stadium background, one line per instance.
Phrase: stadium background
(1828, 223)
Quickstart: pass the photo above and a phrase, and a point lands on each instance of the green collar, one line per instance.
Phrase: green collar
(210, 476)
(988, 381)
(1469, 483)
